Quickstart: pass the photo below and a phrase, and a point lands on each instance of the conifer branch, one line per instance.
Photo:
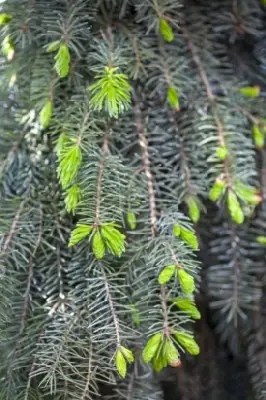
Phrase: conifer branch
(172, 117)
(30, 273)
(152, 201)
(60, 322)
(184, 163)
(212, 102)
(26, 301)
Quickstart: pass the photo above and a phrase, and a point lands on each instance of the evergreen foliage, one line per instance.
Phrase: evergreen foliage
(132, 140)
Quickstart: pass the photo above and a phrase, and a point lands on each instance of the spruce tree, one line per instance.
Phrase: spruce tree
(132, 198)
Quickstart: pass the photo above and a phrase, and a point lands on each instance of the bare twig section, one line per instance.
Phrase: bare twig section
(146, 164)
(83, 127)
(210, 95)
(235, 275)
(105, 150)
(32, 368)
(130, 387)
(202, 72)
(86, 390)
(249, 116)
(184, 163)
(51, 88)
(166, 326)
(112, 308)
(13, 226)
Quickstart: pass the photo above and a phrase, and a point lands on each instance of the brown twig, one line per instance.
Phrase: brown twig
(104, 151)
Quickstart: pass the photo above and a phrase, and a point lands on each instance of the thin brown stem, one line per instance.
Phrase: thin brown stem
(130, 387)
(236, 273)
(85, 393)
(13, 226)
(112, 308)
(146, 164)
(51, 89)
(104, 151)
(251, 117)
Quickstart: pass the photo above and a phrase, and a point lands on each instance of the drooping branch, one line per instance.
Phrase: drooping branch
(212, 102)
(143, 142)
(30, 273)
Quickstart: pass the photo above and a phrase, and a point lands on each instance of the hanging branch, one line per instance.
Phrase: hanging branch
(143, 142)
(213, 105)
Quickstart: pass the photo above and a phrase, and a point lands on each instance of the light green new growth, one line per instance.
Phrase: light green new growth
(8, 48)
(105, 237)
(5, 18)
(217, 190)
(173, 98)
(222, 152)
(53, 46)
(166, 274)
(189, 237)
(110, 92)
(234, 207)
(187, 306)
(131, 220)
(186, 281)
(161, 351)
(193, 209)
(46, 114)
(62, 60)
(72, 198)
(250, 91)
(166, 30)
(122, 357)
(258, 136)
(69, 164)
(187, 341)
